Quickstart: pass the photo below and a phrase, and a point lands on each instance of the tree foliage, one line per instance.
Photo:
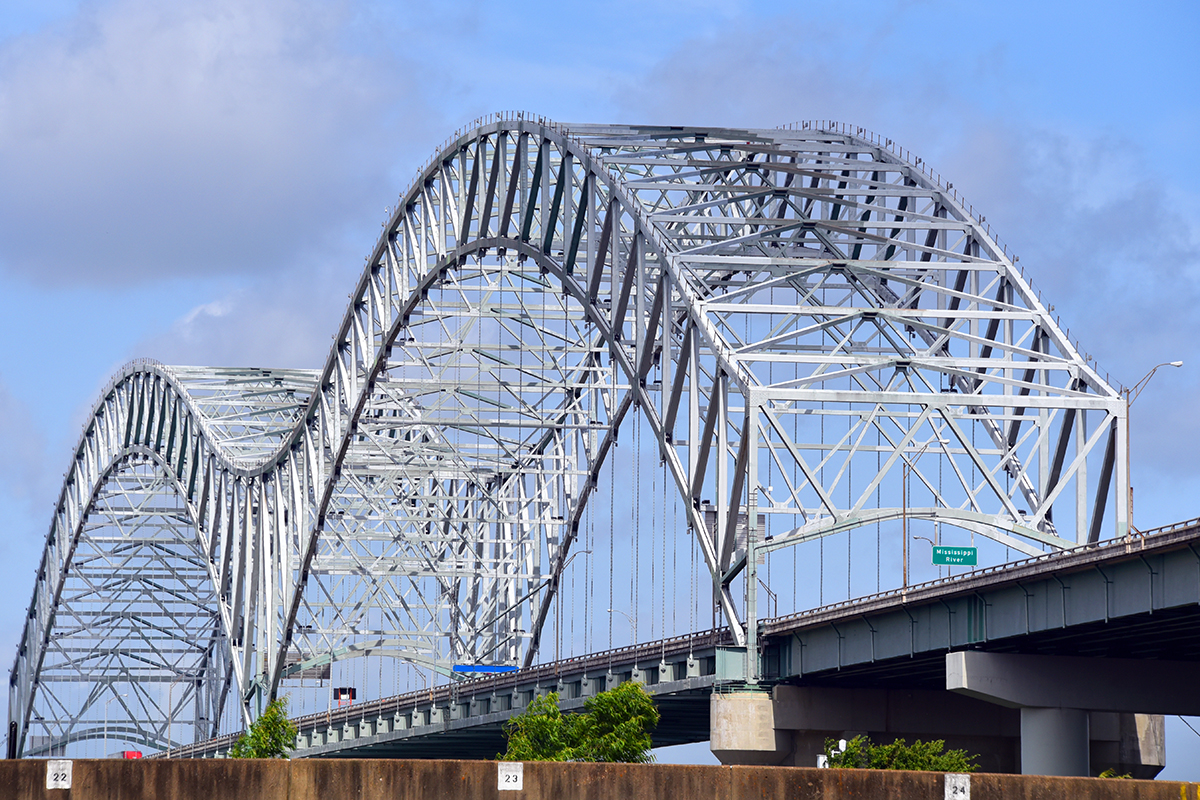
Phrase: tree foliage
(541, 733)
(614, 727)
(861, 753)
(272, 735)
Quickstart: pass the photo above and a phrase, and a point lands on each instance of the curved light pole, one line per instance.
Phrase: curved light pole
(106, 702)
(771, 596)
(908, 467)
(632, 621)
(1131, 394)
(932, 545)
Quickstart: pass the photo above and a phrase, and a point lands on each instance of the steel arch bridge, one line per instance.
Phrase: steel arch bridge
(813, 326)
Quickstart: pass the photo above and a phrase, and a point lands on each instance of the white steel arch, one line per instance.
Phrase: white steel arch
(802, 316)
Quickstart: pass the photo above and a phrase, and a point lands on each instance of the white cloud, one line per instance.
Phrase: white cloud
(280, 321)
(217, 308)
(145, 139)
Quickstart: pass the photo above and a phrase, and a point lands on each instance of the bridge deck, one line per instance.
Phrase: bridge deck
(1136, 598)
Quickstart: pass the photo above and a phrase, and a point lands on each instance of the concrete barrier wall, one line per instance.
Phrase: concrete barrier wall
(338, 779)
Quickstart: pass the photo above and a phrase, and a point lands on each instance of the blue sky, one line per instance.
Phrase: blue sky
(198, 181)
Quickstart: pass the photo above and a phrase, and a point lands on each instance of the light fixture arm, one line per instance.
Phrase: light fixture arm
(1132, 393)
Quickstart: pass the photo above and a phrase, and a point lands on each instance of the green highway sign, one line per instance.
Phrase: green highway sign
(956, 556)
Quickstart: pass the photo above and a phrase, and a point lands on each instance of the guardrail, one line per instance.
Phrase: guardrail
(1155, 538)
(540, 675)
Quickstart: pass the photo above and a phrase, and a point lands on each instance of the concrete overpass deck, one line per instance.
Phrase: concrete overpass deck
(1134, 599)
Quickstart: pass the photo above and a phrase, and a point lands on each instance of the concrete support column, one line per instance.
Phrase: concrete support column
(742, 729)
(1054, 741)
(1056, 693)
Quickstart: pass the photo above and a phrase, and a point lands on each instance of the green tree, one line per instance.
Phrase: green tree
(614, 726)
(272, 735)
(542, 733)
(861, 753)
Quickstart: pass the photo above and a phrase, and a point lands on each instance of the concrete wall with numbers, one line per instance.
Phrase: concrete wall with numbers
(451, 780)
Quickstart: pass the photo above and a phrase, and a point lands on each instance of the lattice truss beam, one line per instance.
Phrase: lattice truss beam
(802, 317)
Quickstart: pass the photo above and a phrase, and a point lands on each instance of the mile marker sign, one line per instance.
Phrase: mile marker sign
(955, 556)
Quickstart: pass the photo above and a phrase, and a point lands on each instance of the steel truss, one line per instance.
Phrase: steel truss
(799, 315)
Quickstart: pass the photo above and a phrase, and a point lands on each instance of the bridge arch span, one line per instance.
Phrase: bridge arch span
(817, 333)
(738, 251)
(125, 603)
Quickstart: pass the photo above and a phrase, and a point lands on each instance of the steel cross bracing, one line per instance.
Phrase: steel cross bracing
(809, 324)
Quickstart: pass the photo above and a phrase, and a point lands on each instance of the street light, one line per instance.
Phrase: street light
(909, 466)
(774, 598)
(1131, 394)
(932, 544)
(106, 702)
(632, 622)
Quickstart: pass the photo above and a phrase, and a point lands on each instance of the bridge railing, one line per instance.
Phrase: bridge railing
(983, 572)
(541, 675)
